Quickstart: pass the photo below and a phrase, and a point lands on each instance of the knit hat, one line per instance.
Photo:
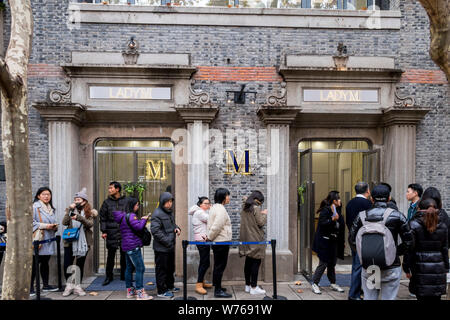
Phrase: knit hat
(82, 194)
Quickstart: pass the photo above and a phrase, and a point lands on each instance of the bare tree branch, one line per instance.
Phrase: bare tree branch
(6, 79)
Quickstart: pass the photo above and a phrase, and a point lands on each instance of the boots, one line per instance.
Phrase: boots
(199, 288)
(206, 285)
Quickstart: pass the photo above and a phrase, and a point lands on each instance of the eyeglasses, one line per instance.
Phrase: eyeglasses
(207, 203)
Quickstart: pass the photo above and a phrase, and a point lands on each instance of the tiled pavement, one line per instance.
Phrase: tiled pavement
(236, 288)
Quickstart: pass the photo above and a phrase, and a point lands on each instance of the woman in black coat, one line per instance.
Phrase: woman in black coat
(426, 263)
(329, 240)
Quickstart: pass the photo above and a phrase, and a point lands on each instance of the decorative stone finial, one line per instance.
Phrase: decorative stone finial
(131, 54)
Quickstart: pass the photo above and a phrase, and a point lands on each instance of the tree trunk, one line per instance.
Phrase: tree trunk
(14, 92)
(439, 13)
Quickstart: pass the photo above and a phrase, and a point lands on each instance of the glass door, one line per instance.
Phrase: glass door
(145, 162)
(305, 212)
(371, 165)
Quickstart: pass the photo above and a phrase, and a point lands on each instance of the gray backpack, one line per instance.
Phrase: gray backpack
(375, 244)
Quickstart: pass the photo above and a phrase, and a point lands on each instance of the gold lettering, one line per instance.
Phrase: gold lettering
(155, 172)
(119, 94)
(111, 94)
(331, 96)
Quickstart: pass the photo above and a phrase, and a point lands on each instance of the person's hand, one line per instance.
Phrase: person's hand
(146, 217)
(335, 217)
(408, 275)
(2, 229)
(72, 206)
(104, 236)
(177, 231)
(264, 211)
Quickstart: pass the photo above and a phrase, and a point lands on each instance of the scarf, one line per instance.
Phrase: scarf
(79, 247)
(46, 207)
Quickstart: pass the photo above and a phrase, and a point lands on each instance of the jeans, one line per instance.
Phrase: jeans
(134, 260)
(220, 263)
(355, 287)
(204, 261)
(164, 269)
(390, 283)
(68, 261)
(251, 269)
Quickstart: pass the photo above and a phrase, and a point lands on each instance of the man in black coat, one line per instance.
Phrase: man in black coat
(111, 231)
(397, 225)
(164, 230)
(359, 203)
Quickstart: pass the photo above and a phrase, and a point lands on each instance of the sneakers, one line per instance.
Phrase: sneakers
(79, 291)
(131, 292)
(167, 295)
(257, 290)
(32, 292)
(49, 288)
(335, 287)
(247, 289)
(174, 289)
(141, 295)
(68, 290)
(315, 289)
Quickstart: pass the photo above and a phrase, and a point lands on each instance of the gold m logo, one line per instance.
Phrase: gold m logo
(232, 163)
(155, 170)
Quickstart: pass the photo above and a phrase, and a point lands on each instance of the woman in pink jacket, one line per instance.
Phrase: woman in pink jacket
(200, 214)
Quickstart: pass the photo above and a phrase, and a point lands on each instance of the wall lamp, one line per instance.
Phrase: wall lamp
(238, 97)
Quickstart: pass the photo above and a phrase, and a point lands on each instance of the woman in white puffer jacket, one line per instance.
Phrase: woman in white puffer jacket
(200, 215)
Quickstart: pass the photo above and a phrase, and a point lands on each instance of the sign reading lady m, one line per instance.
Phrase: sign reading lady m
(340, 95)
(130, 93)
(238, 167)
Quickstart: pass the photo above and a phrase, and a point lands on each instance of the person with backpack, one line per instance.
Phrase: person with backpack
(374, 235)
(426, 262)
(200, 215)
(130, 227)
(359, 203)
(164, 231)
(329, 240)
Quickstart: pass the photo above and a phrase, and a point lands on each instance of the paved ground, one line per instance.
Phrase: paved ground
(236, 288)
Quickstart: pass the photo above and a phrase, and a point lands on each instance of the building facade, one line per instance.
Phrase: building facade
(253, 95)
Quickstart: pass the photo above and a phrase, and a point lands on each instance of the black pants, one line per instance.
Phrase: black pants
(425, 298)
(110, 261)
(68, 261)
(43, 267)
(164, 269)
(251, 269)
(220, 262)
(204, 261)
(1, 256)
(331, 273)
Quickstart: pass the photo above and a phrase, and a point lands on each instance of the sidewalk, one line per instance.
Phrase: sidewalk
(287, 289)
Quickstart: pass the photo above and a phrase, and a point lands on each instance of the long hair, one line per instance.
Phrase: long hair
(87, 209)
(255, 196)
(332, 195)
(433, 193)
(130, 205)
(431, 216)
(38, 193)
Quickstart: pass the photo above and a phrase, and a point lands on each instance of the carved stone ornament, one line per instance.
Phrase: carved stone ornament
(278, 101)
(403, 101)
(131, 54)
(61, 95)
(341, 59)
(198, 98)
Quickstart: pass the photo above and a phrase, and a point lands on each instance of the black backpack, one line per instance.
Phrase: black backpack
(144, 234)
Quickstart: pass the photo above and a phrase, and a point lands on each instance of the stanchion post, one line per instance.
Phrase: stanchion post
(185, 244)
(36, 267)
(274, 267)
(58, 258)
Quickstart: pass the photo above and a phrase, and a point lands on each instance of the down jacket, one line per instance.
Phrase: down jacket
(163, 226)
(252, 230)
(199, 222)
(219, 224)
(130, 241)
(427, 258)
(396, 223)
(107, 223)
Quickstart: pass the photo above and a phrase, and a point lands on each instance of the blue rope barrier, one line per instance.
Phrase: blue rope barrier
(2, 244)
(229, 243)
(45, 241)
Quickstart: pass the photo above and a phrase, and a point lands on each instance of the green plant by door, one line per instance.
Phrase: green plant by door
(130, 188)
(301, 190)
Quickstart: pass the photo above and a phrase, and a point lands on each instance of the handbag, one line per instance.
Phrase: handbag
(71, 234)
(144, 234)
(38, 234)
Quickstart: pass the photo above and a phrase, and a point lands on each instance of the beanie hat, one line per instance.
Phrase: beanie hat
(82, 194)
(380, 193)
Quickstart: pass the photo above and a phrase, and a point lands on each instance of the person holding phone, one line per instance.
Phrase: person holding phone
(44, 218)
(329, 240)
(81, 215)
